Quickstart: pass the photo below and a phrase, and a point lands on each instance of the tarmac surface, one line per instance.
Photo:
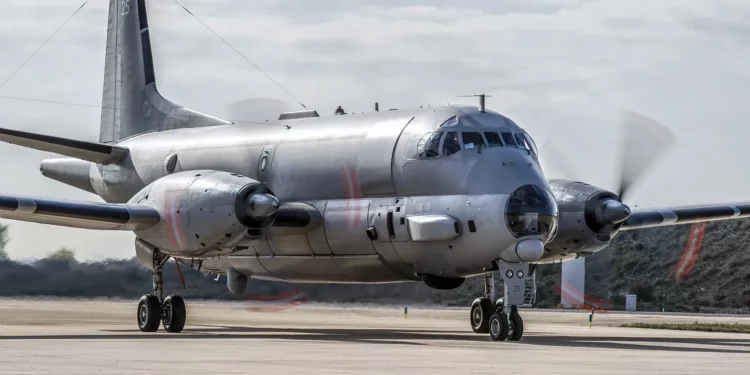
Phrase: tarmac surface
(101, 337)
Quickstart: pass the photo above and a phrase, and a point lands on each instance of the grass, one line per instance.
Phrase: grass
(695, 326)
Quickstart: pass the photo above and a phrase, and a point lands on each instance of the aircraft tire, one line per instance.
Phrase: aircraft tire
(499, 327)
(149, 313)
(479, 315)
(515, 327)
(174, 314)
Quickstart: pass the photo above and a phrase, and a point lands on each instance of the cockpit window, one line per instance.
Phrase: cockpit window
(453, 121)
(522, 142)
(429, 145)
(531, 144)
(509, 141)
(451, 144)
(472, 140)
(493, 139)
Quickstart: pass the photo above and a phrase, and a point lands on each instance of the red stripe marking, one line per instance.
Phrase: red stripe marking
(168, 219)
(178, 217)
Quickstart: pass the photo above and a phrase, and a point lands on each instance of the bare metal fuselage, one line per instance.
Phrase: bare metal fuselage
(356, 170)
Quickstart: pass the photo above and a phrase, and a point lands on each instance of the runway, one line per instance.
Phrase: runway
(95, 337)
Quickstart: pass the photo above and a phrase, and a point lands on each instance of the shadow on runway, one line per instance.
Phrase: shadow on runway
(415, 337)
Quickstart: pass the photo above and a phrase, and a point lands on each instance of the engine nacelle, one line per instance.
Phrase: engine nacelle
(204, 212)
(589, 217)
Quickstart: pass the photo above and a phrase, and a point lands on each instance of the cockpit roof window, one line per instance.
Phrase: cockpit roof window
(453, 121)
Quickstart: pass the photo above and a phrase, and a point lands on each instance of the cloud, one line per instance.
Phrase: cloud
(564, 69)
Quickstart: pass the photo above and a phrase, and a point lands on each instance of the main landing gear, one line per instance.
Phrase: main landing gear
(153, 310)
(501, 318)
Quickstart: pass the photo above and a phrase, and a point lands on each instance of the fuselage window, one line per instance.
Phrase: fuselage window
(429, 145)
(451, 144)
(509, 141)
(493, 139)
(472, 140)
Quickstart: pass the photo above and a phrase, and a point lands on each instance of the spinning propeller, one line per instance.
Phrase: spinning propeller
(642, 141)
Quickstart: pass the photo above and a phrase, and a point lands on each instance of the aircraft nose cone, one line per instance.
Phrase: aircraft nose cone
(262, 205)
(614, 211)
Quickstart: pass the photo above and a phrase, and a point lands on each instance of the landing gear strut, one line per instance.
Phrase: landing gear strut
(153, 309)
(501, 318)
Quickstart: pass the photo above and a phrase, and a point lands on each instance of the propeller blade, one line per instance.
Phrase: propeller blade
(643, 141)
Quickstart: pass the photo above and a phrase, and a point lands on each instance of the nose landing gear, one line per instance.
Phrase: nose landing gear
(493, 318)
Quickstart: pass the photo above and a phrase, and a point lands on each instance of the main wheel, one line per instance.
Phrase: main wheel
(499, 327)
(515, 327)
(149, 313)
(174, 314)
(481, 309)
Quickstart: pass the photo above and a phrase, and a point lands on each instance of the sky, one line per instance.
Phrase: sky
(565, 70)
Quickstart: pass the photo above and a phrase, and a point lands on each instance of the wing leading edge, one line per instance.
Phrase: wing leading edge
(662, 216)
(78, 214)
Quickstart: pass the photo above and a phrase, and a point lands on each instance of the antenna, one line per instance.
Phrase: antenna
(481, 99)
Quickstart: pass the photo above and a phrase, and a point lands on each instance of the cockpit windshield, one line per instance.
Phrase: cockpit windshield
(466, 133)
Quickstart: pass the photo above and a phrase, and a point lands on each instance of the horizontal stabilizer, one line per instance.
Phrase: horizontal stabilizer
(89, 151)
(78, 214)
(648, 217)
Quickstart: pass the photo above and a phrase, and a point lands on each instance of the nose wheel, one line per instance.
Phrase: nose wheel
(501, 319)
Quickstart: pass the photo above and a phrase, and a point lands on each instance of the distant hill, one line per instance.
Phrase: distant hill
(640, 262)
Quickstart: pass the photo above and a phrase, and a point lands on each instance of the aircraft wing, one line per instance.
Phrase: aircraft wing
(78, 214)
(89, 151)
(648, 217)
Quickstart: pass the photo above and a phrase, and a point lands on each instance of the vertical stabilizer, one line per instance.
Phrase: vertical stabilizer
(130, 102)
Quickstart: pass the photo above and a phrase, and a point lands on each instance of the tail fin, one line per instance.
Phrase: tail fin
(131, 103)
